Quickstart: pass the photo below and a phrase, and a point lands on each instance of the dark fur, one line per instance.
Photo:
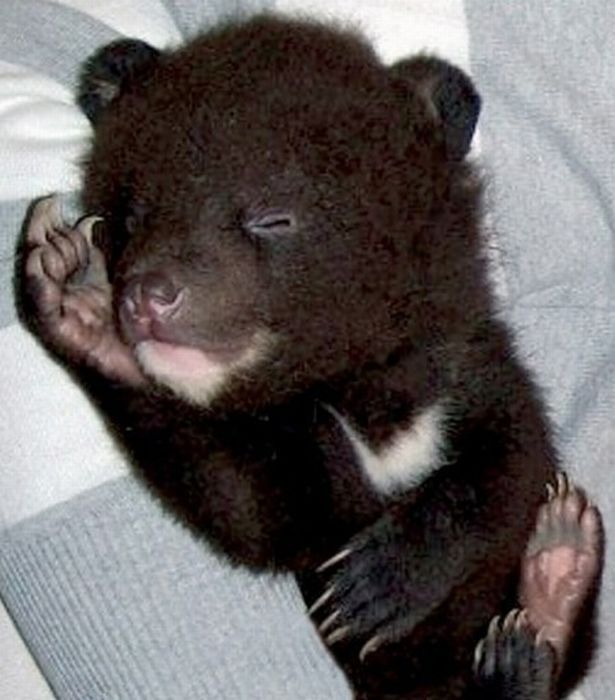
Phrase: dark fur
(377, 291)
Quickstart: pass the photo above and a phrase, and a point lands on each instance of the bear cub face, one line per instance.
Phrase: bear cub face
(281, 208)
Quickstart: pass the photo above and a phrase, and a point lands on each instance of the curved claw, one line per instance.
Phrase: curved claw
(494, 626)
(338, 635)
(335, 559)
(478, 656)
(512, 620)
(86, 225)
(322, 600)
(329, 622)
(562, 484)
(370, 647)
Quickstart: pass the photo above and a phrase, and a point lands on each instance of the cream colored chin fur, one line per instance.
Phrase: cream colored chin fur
(191, 373)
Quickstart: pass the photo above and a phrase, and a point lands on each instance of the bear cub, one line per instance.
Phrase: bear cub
(283, 311)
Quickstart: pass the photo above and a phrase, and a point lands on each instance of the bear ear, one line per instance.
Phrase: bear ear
(450, 94)
(109, 71)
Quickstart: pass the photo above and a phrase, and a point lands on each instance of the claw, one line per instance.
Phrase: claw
(494, 626)
(478, 655)
(550, 491)
(370, 647)
(522, 619)
(510, 620)
(322, 600)
(340, 556)
(338, 635)
(86, 225)
(562, 484)
(329, 622)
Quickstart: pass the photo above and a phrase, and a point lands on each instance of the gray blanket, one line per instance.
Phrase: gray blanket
(548, 133)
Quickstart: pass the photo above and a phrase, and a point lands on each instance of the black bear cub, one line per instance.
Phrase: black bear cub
(285, 317)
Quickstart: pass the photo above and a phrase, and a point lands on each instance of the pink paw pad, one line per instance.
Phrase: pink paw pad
(562, 563)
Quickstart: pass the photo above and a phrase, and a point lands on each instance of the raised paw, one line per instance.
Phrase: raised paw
(370, 597)
(513, 662)
(69, 295)
(562, 563)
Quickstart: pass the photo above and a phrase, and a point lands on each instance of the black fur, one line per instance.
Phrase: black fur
(287, 179)
(109, 72)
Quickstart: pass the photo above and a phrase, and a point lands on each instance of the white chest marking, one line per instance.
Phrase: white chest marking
(409, 458)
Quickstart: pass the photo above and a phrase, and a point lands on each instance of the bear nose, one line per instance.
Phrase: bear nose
(147, 298)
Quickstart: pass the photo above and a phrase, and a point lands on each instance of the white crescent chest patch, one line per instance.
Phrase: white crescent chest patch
(409, 457)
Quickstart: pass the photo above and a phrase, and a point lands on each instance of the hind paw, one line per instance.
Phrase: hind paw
(562, 563)
(513, 661)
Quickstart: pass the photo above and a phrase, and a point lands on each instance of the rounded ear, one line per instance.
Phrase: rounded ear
(109, 71)
(450, 94)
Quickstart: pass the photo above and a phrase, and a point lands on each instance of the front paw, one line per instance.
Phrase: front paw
(374, 591)
(68, 295)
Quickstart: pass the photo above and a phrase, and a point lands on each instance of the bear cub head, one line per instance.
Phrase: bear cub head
(282, 210)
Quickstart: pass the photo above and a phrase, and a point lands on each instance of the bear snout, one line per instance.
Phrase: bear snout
(148, 306)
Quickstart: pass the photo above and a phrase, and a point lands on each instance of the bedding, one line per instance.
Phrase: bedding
(114, 599)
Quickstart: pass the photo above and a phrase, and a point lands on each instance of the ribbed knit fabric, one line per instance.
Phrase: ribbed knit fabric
(191, 16)
(120, 602)
(30, 37)
(545, 71)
